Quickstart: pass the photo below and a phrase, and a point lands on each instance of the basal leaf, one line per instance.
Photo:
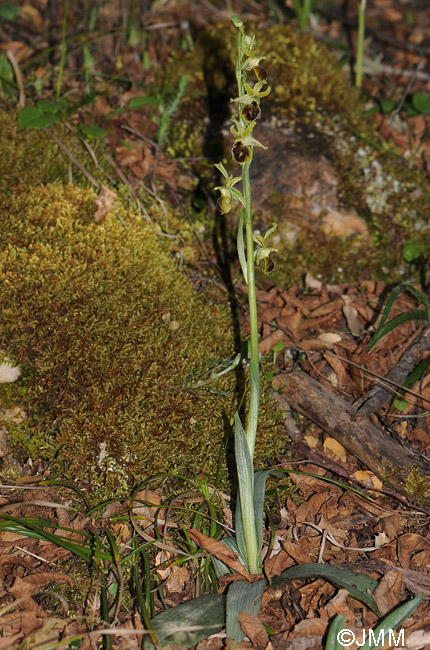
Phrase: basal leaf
(187, 624)
(9, 11)
(141, 102)
(32, 117)
(421, 102)
(46, 106)
(242, 596)
(392, 621)
(359, 586)
(93, 131)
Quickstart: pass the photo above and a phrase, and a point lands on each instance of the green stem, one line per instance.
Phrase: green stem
(63, 52)
(251, 429)
(360, 44)
(247, 504)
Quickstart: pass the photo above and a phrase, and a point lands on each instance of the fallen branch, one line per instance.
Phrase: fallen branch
(383, 391)
(380, 453)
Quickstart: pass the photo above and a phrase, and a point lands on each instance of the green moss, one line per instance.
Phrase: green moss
(107, 331)
(418, 486)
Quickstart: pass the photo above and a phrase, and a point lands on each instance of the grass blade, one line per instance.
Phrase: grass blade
(29, 528)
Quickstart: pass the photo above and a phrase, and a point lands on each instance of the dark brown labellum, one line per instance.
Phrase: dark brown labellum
(241, 153)
(261, 73)
(270, 265)
(251, 112)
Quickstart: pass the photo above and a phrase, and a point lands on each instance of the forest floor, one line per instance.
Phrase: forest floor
(380, 527)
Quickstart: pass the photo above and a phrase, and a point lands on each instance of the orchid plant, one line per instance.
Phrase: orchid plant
(250, 93)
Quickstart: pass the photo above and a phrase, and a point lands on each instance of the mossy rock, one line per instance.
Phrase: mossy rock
(108, 333)
(314, 98)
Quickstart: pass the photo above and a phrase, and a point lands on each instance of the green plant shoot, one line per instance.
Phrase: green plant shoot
(360, 44)
(303, 9)
(250, 93)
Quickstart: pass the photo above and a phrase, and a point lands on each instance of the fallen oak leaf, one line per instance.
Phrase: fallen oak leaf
(104, 202)
(25, 588)
(220, 551)
(254, 629)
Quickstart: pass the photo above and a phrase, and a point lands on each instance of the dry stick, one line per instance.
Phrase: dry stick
(385, 457)
(75, 161)
(18, 77)
(381, 393)
(125, 180)
(320, 460)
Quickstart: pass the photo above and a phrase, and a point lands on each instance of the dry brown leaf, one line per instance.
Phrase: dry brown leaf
(104, 202)
(381, 539)
(421, 559)
(219, 550)
(307, 510)
(330, 339)
(391, 525)
(175, 583)
(291, 322)
(254, 630)
(308, 627)
(266, 344)
(307, 484)
(278, 563)
(368, 478)
(335, 448)
(337, 605)
(145, 506)
(389, 591)
(338, 367)
(409, 544)
(19, 49)
(10, 641)
(295, 550)
(354, 323)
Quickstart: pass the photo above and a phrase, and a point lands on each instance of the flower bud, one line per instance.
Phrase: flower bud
(225, 201)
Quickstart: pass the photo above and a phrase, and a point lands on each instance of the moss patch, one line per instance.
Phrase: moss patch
(107, 331)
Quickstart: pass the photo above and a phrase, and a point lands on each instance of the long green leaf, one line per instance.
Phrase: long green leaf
(242, 596)
(222, 569)
(337, 626)
(391, 622)
(245, 476)
(30, 529)
(414, 314)
(401, 288)
(358, 585)
(189, 623)
(410, 380)
(260, 478)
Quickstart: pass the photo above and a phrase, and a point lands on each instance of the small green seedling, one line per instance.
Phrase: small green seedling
(303, 9)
